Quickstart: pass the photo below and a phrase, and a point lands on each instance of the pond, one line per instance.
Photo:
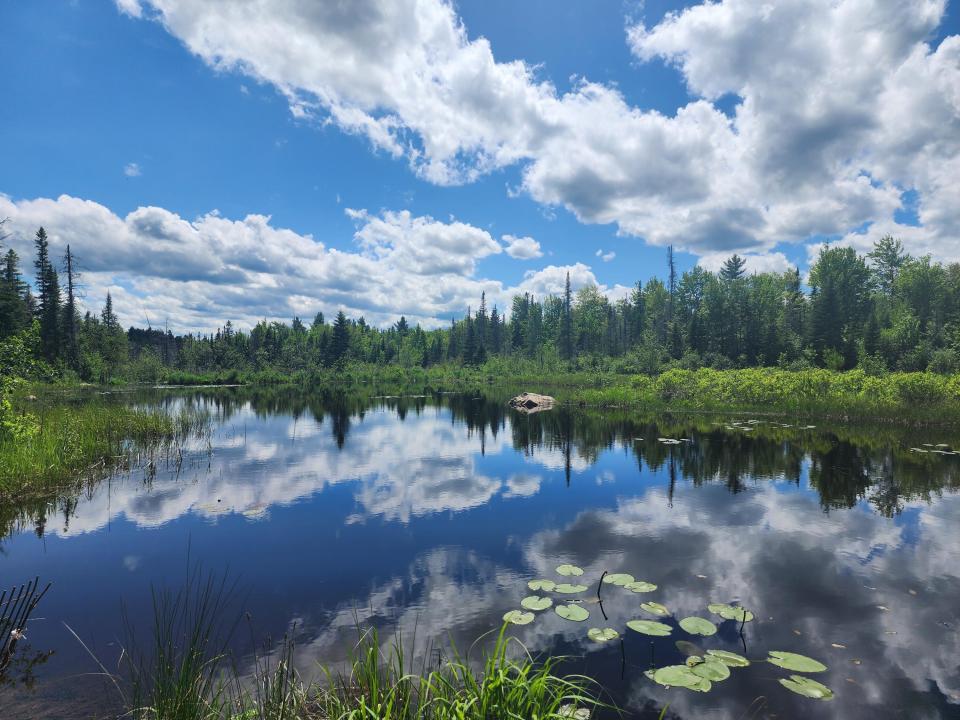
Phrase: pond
(428, 514)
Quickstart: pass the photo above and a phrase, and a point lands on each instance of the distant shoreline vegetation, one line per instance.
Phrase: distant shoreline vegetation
(874, 336)
(916, 398)
(883, 312)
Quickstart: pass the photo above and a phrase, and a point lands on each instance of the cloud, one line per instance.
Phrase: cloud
(131, 170)
(522, 248)
(841, 105)
(202, 272)
(605, 256)
(130, 7)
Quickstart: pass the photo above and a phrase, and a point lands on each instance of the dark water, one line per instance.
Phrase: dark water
(428, 515)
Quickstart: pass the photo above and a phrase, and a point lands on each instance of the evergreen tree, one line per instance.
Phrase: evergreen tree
(734, 268)
(566, 327)
(71, 345)
(48, 302)
(14, 312)
(469, 341)
(341, 337)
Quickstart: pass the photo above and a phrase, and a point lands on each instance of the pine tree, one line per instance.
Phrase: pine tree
(14, 313)
(69, 321)
(566, 323)
(48, 305)
(341, 338)
(734, 268)
(469, 341)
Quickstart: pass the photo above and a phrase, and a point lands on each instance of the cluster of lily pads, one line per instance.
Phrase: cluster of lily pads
(938, 449)
(749, 425)
(702, 668)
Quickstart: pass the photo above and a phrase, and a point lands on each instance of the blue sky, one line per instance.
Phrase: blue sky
(136, 105)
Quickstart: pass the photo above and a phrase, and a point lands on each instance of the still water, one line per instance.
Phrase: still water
(427, 515)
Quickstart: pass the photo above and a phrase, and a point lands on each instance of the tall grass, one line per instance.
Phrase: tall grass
(70, 442)
(185, 672)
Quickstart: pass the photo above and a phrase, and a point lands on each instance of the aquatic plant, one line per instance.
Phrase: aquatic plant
(703, 668)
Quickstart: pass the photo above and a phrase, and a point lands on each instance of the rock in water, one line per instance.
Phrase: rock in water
(532, 402)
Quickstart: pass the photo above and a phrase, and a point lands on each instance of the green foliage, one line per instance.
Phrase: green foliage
(44, 444)
(880, 312)
(15, 427)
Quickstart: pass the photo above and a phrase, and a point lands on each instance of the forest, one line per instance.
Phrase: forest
(886, 311)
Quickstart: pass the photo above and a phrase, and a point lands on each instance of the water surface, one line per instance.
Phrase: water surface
(427, 515)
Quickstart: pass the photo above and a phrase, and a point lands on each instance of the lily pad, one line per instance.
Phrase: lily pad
(680, 676)
(711, 670)
(576, 613)
(518, 617)
(698, 626)
(602, 634)
(568, 589)
(731, 612)
(730, 659)
(807, 687)
(795, 662)
(618, 579)
(535, 602)
(573, 712)
(541, 585)
(568, 570)
(640, 586)
(655, 608)
(650, 627)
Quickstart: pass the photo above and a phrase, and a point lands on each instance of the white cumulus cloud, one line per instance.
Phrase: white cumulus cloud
(522, 248)
(205, 271)
(841, 106)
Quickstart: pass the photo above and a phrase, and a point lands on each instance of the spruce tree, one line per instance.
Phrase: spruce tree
(341, 338)
(734, 268)
(48, 302)
(69, 321)
(566, 323)
(14, 313)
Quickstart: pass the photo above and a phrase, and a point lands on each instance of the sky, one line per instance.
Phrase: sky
(214, 160)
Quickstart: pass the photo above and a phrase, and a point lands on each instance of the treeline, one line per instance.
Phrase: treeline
(882, 312)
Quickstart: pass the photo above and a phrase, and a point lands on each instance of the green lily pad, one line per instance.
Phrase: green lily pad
(731, 612)
(698, 626)
(681, 676)
(694, 660)
(640, 586)
(807, 687)
(712, 670)
(541, 585)
(730, 659)
(567, 589)
(795, 662)
(649, 627)
(688, 648)
(602, 635)
(619, 579)
(518, 617)
(568, 570)
(654, 608)
(535, 602)
(576, 613)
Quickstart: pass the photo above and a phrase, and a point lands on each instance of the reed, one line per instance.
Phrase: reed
(73, 442)
(185, 672)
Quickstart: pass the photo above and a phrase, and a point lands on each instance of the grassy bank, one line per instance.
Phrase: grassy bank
(49, 444)
(920, 397)
(182, 670)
